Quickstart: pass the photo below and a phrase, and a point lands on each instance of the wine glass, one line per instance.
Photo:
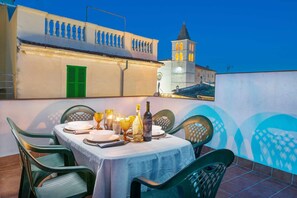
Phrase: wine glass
(132, 118)
(125, 125)
(98, 117)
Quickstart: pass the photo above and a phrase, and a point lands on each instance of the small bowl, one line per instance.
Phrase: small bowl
(156, 128)
(101, 135)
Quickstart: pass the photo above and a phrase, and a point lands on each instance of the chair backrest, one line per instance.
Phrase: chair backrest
(17, 129)
(26, 157)
(202, 177)
(198, 130)
(52, 138)
(164, 118)
(77, 113)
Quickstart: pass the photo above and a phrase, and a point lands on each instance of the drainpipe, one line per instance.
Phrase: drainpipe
(123, 79)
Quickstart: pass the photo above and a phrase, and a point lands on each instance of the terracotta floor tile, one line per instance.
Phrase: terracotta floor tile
(258, 191)
(290, 192)
(234, 171)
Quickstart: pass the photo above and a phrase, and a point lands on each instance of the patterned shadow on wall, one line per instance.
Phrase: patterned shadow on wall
(274, 143)
(49, 117)
(220, 119)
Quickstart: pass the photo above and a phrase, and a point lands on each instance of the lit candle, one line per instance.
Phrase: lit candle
(116, 125)
(109, 119)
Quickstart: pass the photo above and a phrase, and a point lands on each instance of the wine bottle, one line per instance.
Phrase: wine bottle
(137, 126)
(147, 123)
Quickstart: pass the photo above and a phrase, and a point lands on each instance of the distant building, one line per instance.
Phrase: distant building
(49, 56)
(181, 71)
(204, 74)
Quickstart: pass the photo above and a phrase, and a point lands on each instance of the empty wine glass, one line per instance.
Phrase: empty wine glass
(98, 117)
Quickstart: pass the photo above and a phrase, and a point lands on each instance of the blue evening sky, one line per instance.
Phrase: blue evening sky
(231, 35)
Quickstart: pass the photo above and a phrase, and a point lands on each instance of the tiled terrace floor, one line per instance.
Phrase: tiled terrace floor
(246, 183)
(238, 182)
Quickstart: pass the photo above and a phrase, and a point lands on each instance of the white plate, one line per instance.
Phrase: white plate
(156, 127)
(157, 132)
(78, 125)
(110, 139)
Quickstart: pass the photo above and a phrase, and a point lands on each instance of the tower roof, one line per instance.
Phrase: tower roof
(183, 34)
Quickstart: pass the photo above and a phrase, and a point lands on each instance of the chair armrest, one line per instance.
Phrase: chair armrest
(136, 186)
(146, 182)
(39, 135)
(36, 135)
(68, 155)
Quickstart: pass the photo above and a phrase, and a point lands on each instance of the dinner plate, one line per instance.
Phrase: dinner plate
(157, 133)
(78, 125)
(110, 139)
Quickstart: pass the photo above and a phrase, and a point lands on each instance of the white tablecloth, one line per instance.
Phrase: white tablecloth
(115, 167)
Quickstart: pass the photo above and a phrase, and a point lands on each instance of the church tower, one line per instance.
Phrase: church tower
(183, 60)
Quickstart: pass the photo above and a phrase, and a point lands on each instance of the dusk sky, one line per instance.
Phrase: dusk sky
(231, 35)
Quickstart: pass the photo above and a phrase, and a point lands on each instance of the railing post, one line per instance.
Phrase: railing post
(90, 33)
(128, 42)
(155, 48)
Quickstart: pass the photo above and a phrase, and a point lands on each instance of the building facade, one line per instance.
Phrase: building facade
(50, 56)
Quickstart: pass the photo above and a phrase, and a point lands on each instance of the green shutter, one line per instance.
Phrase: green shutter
(76, 81)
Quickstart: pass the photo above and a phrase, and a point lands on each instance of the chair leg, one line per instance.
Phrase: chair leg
(197, 151)
(24, 190)
(135, 189)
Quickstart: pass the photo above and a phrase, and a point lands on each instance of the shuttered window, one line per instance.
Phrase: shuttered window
(76, 81)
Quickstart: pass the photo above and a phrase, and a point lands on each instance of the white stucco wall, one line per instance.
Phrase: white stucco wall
(165, 82)
(254, 115)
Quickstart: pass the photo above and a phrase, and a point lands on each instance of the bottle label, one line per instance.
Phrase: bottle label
(147, 128)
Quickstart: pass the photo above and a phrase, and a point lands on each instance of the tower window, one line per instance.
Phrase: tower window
(181, 46)
(176, 46)
(191, 57)
(176, 56)
(181, 56)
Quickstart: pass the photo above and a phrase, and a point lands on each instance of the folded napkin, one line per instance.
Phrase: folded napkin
(81, 131)
(111, 144)
(76, 132)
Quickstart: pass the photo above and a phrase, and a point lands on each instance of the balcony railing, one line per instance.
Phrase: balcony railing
(60, 31)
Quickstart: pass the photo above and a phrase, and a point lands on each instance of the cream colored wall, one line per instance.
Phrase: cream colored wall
(7, 41)
(41, 73)
(140, 80)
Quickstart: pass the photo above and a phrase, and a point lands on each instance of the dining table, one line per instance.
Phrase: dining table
(115, 167)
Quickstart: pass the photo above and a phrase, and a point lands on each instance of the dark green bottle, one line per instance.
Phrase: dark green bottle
(147, 123)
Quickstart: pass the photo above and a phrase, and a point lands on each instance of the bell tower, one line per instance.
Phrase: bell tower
(183, 60)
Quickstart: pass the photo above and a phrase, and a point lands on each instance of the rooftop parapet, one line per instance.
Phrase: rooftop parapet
(44, 28)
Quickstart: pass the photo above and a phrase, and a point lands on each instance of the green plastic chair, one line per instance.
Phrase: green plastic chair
(201, 178)
(57, 155)
(77, 113)
(164, 118)
(198, 130)
(71, 181)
